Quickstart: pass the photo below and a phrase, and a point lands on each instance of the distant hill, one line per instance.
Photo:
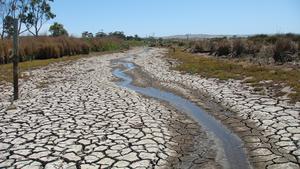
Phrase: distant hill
(200, 36)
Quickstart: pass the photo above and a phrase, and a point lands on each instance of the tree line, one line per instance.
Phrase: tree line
(116, 34)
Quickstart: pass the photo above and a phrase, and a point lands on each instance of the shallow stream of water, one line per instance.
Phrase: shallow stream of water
(235, 155)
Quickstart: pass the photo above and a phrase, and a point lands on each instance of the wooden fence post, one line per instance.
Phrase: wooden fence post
(16, 60)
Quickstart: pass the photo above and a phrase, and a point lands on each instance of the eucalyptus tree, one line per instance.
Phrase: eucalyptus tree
(39, 12)
(31, 15)
(14, 10)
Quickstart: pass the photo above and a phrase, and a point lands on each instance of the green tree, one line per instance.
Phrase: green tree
(136, 37)
(58, 29)
(10, 10)
(39, 12)
(129, 37)
(100, 34)
(4, 11)
(118, 34)
(87, 34)
(8, 29)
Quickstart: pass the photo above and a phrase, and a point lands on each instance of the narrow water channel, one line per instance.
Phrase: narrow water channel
(235, 156)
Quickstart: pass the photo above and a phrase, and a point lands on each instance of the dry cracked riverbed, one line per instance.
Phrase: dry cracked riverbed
(76, 116)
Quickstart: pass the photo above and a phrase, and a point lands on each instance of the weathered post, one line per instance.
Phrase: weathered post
(16, 60)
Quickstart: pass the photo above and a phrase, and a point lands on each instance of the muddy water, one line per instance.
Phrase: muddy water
(235, 157)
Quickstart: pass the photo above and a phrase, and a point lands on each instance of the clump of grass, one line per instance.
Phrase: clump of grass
(228, 69)
(223, 48)
(104, 44)
(283, 50)
(199, 46)
(238, 47)
(133, 43)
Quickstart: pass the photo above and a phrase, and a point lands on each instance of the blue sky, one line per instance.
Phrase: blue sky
(171, 17)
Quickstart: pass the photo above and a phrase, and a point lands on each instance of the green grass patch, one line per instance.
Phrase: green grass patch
(134, 43)
(6, 72)
(228, 69)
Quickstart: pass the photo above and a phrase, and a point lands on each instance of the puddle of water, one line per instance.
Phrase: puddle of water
(232, 145)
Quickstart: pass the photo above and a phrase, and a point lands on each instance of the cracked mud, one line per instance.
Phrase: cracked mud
(79, 118)
(270, 128)
(75, 116)
(229, 145)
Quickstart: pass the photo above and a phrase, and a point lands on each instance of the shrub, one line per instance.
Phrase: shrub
(258, 37)
(212, 47)
(278, 48)
(238, 47)
(4, 52)
(196, 46)
(199, 47)
(272, 39)
(252, 47)
(223, 48)
(283, 50)
(181, 43)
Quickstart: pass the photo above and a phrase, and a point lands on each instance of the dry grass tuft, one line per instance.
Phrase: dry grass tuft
(55, 47)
